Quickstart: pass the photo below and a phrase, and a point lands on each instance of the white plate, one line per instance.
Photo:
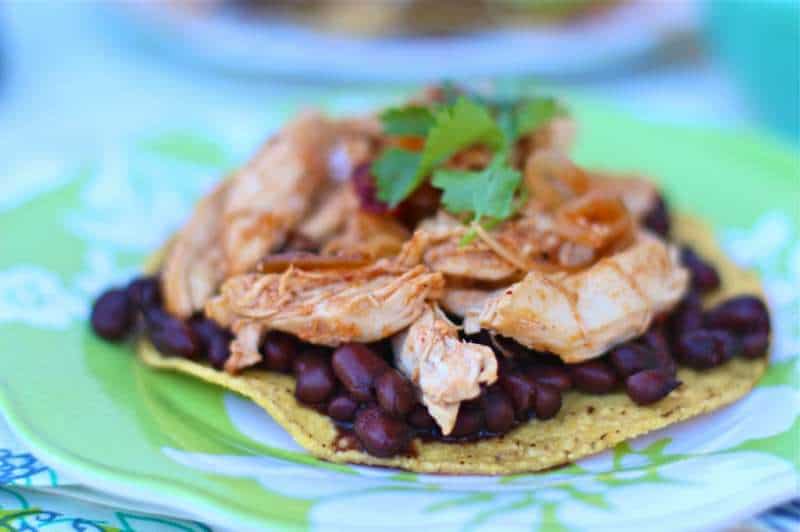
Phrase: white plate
(605, 40)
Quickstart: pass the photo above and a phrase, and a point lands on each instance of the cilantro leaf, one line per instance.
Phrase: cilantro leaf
(407, 121)
(507, 121)
(534, 114)
(395, 174)
(458, 127)
(398, 172)
(518, 120)
(485, 193)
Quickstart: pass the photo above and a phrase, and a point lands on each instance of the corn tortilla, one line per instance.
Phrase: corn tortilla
(585, 425)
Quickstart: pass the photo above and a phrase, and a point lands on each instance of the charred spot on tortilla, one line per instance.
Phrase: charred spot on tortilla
(471, 301)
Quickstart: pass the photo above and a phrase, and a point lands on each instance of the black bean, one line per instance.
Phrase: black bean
(655, 338)
(505, 365)
(688, 316)
(548, 401)
(382, 348)
(632, 358)
(421, 418)
(278, 350)
(357, 367)
(557, 376)
(741, 314)
(468, 423)
(755, 345)
(700, 349)
(218, 349)
(301, 362)
(508, 345)
(145, 292)
(728, 345)
(381, 434)
(594, 376)
(315, 380)
(521, 390)
(395, 393)
(650, 385)
(657, 218)
(213, 339)
(704, 276)
(204, 329)
(481, 337)
(342, 408)
(170, 335)
(112, 315)
(499, 411)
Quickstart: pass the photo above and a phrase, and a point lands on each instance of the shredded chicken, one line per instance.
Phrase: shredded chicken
(477, 260)
(558, 135)
(335, 205)
(580, 316)
(247, 215)
(271, 193)
(325, 307)
(244, 348)
(368, 235)
(555, 179)
(195, 264)
(639, 195)
(446, 370)
(570, 272)
(468, 303)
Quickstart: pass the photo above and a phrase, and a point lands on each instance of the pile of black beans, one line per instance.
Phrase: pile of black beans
(356, 385)
(705, 339)
(119, 311)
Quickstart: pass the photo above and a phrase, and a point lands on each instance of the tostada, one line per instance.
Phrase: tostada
(438, 287)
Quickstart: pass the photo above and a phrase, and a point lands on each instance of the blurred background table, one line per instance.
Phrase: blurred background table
(75, 75)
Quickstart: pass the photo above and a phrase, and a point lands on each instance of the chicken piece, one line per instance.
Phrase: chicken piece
(358, 140)
(502, 254)
(559, 135)
(446, 370)
(195, 263)
(335, 205)
(581, 315)
(244, 348)
(638, 195)
(326, 308)
(473, 261)
(468, 303)
(553, 179)
(271, 193)
(368, 235)
(445, 253)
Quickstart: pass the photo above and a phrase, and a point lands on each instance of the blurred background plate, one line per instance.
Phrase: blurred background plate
(615, 35)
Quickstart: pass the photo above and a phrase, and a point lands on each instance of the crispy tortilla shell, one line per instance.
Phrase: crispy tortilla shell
(586, 424)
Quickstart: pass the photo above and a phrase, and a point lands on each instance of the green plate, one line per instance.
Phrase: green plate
(89, 409)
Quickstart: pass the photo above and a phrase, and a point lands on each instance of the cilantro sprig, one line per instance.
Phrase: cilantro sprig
(451, 129)
(461, 122)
